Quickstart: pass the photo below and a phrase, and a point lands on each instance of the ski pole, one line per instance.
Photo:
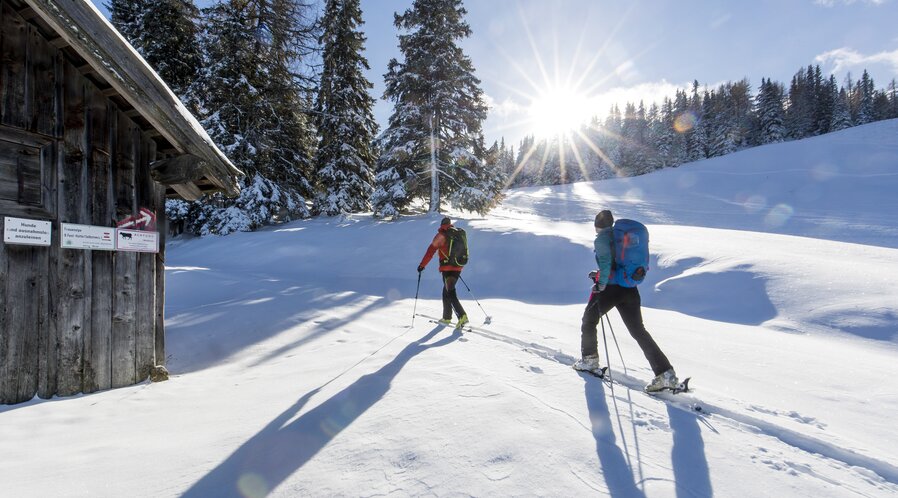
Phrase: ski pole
(607, 357)
(415, 309)
(615, 344)
(488, 318)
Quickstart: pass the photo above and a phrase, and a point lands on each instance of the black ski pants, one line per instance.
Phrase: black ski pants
(629, 305)
(450, 297)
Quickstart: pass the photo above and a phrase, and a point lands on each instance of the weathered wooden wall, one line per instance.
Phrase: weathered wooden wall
(71, 320)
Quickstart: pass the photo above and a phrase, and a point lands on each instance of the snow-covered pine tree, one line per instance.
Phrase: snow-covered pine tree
(800, 110)
(893, 99)
(719, 123)
(127, 16)
(664, 135)
(865, 90)
(770, 113)
(823, 104)
(841, 110)
(289, 35)
(433, 146)
(253, 113)
(612, 141)
(695, 134)
(343, 113)
(169, 41)
(683, 123)
(880, 106)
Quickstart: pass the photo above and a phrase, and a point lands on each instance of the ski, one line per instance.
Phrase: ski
(679, 396)
(598, 375)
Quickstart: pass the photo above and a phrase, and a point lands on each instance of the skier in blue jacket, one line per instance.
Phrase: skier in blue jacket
(628, 303)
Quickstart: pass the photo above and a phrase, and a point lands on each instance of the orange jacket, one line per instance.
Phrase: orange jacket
(439, 244)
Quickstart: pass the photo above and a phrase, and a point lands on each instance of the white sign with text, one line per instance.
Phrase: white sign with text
(27, 232)
(87, 237)
(137, 240)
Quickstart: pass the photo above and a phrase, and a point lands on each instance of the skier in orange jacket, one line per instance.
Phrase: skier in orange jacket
(450, 274)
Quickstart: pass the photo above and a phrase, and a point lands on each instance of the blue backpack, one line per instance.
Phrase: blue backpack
(630, 246)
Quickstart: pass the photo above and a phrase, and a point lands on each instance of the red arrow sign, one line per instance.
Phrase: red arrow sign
(146, 220)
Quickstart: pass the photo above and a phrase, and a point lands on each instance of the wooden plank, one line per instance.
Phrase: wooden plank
(13, 72)
(6, 338)
(104, 49)
(188, 191)
(162, 226)
(43, 76)
(46, 331)
(98, 342)
(124, 298)
(22, 325)
(146, 270)
(34, 321)
(15, 324)
(71, 263)
(50, 161)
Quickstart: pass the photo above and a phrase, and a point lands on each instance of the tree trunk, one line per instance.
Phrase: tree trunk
(434, 172)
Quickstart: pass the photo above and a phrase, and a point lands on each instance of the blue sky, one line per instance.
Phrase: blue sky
(560, 61)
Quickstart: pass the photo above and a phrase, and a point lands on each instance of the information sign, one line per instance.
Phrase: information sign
(137, 240)
(26, 232)
(87, 237)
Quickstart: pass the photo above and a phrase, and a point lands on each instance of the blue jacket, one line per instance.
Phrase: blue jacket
(604, 254)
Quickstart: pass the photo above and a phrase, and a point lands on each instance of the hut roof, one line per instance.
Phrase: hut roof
(195, 165)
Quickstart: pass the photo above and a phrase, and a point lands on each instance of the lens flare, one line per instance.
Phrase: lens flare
(685, 122)
(754, 204)
(393, 294)
(251, 485)
(779, 215)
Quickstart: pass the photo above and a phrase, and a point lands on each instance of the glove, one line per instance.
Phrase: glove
(592, 275)
(420, 269)
(598, 288)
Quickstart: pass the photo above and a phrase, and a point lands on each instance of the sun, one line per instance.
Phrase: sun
(558, 111)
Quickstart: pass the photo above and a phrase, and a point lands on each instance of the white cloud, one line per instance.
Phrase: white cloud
(846, 59)
(648, 93)
(504, 109)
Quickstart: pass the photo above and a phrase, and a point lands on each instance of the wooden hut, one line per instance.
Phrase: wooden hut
(90, 139)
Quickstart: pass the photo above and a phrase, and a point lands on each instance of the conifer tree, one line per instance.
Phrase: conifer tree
(345, 122)
(433, 146)
(770, 113)
(169, 41)
(893, 99)
(865, 90)
(127, 16)
(841, 110)
(253, 104)
(695, 135)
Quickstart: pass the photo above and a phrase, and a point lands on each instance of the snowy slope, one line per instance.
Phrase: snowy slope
(299, 370)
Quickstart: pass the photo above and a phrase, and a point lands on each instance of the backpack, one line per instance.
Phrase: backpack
(630, 247)
(457, 253)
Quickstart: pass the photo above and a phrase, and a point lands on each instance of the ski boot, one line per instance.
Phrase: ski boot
(589, 364)
(667, 380)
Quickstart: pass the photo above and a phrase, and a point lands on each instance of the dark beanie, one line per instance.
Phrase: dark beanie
(604, 219)
(446, 221)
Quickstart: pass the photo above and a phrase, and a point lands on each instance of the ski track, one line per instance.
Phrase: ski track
(687, 402)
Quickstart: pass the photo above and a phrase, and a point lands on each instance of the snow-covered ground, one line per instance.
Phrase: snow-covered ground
(299, 370)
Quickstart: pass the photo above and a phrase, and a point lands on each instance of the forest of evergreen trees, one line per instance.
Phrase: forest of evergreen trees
(280, 87)
(698, 123)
